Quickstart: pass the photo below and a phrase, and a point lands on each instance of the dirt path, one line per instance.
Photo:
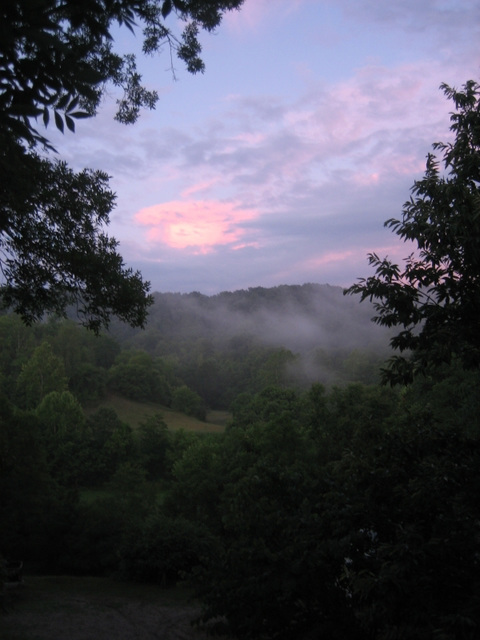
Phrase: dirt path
(66, 608)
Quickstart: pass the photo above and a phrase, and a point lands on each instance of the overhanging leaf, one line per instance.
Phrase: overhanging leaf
(70, 123)
(59, 121)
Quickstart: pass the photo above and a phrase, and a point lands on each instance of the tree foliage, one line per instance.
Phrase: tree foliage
(188, 402)
(435, 297)
(57, 60)
(53, 251)
(61, 412)
(350, 514)
(43, 373)
(346, 513)
(153, 444)
(402, 500)
(58, 57)
(24, 481)
(163, 550)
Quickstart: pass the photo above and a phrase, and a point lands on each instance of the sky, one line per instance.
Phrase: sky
(280, 164)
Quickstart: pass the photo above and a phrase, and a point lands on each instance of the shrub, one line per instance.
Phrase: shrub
(164, 550)
(189, 402)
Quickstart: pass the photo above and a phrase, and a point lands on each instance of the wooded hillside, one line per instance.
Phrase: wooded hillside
(297, 317)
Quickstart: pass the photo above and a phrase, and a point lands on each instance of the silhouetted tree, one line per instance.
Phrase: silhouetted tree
(435, 297)
(57, 60)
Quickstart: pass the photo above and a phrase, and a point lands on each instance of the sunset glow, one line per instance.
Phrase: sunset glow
(199, 224)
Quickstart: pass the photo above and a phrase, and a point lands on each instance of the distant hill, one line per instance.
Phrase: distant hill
(297, 317)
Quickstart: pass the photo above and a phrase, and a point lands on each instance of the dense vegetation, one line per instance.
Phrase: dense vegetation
(75, 475)
(433, 299)
(244, 340)
(321, 509)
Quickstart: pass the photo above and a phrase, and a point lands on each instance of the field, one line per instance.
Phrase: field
(135, 412)
(57, 608)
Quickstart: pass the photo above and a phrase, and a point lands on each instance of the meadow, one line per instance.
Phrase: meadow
(134, 413)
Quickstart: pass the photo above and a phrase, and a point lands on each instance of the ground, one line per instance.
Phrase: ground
(60, 608)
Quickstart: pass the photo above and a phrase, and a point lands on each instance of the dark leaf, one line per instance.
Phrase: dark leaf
(62, 103)
(73, 104)
(58, 121)
(28, 110)
(80, 114)
(70, 123)
(166, 8)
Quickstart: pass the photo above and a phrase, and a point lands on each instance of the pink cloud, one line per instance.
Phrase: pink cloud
(244, 245)
(397, 252)
(201, 224)
(250, 139)
(327, 258)
(374, 99)
(382, 167)
(366, 179)
(199, 187)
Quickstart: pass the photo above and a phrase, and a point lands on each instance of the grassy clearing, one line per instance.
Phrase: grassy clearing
(134, 413)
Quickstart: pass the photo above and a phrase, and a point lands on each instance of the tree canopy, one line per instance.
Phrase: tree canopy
(435, 297)
(58, 56)
(324, 512)
(57, 60)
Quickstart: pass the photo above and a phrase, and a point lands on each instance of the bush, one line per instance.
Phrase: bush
(189, 402)
(164, 550)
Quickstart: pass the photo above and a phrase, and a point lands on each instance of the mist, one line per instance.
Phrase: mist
(324, 330)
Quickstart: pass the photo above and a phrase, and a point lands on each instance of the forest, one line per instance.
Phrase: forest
(328, 505)
(338, 498)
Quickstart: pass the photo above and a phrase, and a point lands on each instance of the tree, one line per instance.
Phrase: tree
(138, 376)
(274, 370)
(64, 437)
(25, 486)
(163, 550)
(435, 297)
(56, 62)
(88, 383)
(54, 253)
(262, 495)
(58, 56)
(351, 514)
(188, 402)
(106, 452)
(61, 413)
(402, 502)
(17, 344)
(41, 375)
(153, 444)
